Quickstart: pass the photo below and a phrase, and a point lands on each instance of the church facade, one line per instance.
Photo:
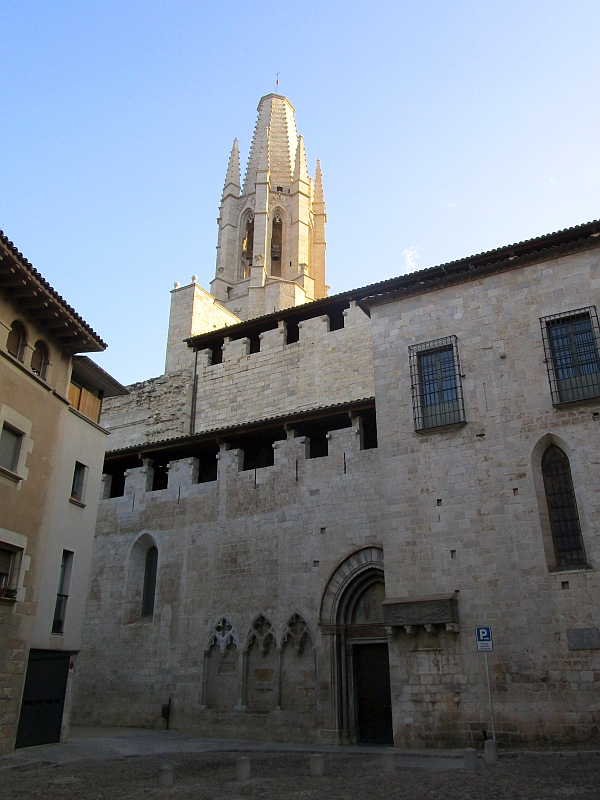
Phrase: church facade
(308, 514)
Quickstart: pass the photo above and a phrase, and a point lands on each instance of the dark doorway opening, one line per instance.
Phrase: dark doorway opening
(372, 694)
(43, 698)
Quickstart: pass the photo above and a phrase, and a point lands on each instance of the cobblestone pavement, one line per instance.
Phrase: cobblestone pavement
(91, 768)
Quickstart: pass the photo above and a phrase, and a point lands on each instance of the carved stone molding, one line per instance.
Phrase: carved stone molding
(223, 634)
(410, 612)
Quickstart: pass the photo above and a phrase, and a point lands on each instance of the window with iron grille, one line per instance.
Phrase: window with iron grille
(571, 348)
(436, 384)
(562, 509)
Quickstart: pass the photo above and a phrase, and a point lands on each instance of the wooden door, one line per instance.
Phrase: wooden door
(43, 698)
(372, 694)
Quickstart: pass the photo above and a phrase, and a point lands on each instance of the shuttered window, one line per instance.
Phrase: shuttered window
(10, 446)
(39, 360)
(85, 402)
(17, 339)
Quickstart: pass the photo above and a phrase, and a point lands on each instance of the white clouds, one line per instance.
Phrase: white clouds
(411, 254)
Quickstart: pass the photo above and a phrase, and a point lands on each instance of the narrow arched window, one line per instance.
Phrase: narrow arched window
(276, 245)
(17, 339)
(247, 247)
(149, 582)
(562, 508)
(39, 360)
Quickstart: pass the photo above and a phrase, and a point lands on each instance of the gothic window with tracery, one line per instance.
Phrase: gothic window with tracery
(298, 673)
(222, 666)
(262, 692)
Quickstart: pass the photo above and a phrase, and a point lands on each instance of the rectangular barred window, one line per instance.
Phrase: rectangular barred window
(571, 348)
(436, 384)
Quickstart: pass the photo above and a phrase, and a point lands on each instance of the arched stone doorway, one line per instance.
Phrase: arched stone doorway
(352, 618)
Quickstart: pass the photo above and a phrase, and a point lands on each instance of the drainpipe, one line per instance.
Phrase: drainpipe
(194, 393)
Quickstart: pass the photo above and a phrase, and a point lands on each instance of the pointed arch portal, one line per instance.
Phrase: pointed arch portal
(352, 616)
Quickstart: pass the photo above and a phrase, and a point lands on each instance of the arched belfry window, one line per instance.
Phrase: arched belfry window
(562, 508)
(39, 360)
(17, 340)
(276, 245)
(149, 582)
(247, 246)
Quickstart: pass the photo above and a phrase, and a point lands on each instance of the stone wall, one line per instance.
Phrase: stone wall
(463, 512)
(323, 368)
(155, 409)
(193, 311)
(460, 512)
(260, 542)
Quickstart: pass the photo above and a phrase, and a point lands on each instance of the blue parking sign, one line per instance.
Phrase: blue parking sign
(484, 638)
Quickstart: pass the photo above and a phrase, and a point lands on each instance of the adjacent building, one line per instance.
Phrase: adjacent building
(51, 454)
(308, 514)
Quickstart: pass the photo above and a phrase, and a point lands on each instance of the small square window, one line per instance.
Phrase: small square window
(10, 448)
(571, 347)
(78, 486)
(436, 384)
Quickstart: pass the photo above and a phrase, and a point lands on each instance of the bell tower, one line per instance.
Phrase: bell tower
(271, 243)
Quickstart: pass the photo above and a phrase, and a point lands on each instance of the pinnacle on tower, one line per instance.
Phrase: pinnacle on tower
(232, 179)
(318, 196)
(301, 167)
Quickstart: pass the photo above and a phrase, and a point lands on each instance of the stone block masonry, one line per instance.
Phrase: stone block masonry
(323, 368)
(256, 542)
(270, 580)
(470, 513)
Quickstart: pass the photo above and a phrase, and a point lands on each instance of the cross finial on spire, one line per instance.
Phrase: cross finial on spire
(277, 83)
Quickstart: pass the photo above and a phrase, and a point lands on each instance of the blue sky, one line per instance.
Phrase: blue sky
(444, 129)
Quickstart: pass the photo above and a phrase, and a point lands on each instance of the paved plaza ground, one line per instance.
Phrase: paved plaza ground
(123, 764)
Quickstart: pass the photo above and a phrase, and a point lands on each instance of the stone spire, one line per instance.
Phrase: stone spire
(232, 179)
(272, 235)
(277, 114)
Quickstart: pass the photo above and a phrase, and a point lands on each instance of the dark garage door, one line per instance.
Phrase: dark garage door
(43, 698)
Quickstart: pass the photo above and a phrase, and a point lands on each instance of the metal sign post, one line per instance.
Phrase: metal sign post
(484, 645)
